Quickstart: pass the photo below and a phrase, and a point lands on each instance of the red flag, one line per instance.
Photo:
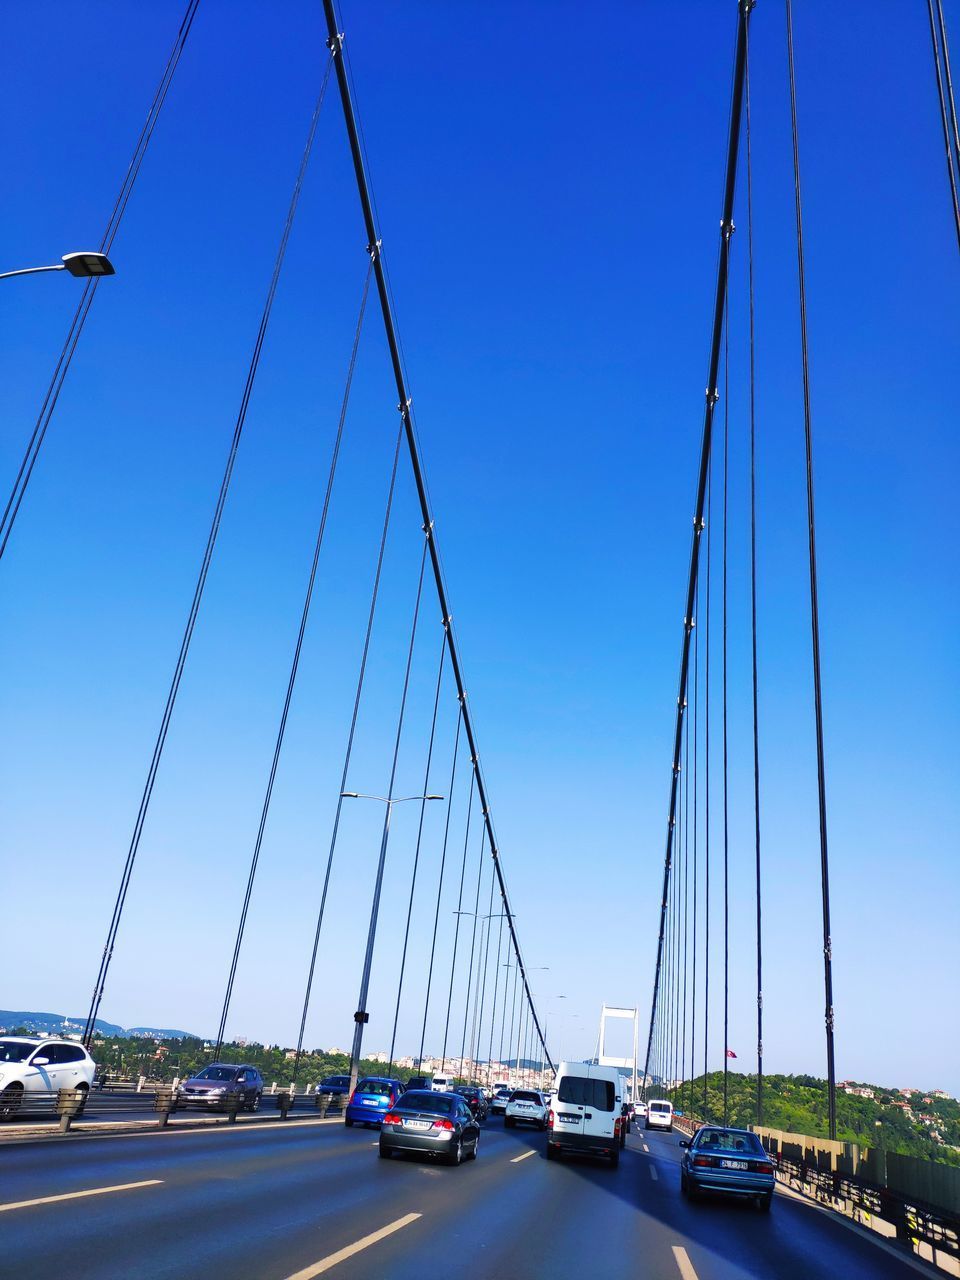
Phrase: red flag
(731, 1054)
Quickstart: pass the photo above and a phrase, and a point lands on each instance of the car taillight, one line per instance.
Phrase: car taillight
(393, 1100)
(550, 1119)
(704, 1162)
(616, 1126)
(443, 1124)
(764, 1166)
(391, 1119)
(352, 1098)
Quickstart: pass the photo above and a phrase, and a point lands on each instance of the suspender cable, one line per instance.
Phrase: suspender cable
(62, 368)
(336, 43)
(459, 915)
(726, 789)
(416, 855)
(443, 863)
(706, 794)
(814, 605)
(951, 142)
(361, 1016)
(696, 752)
(476, 1046)
(202, 578)
(753, 600)
(473, 949)
(686, 906)
(496, 987)
(294, 666)
(743, 9)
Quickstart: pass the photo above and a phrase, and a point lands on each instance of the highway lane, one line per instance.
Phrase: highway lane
(267, 1203)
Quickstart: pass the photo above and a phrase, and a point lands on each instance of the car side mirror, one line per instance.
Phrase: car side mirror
(684, 1142)
(40, 1062)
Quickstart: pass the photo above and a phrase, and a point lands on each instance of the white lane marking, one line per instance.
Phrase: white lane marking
(646, 1148)
(653, 1172)
(79, 1195)
(350, 1250)
(684, 1263)
(526, 1154)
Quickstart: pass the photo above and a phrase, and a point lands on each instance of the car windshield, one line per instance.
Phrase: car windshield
(14, 1051)
(582, 1091)
(437, 1104)
(217, 1073)
(524, 1095)
(660, 1106)
(729, 1140)
(378, 1088)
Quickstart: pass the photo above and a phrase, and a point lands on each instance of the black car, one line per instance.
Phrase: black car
(419, 1082)
(475, 1099)
(334, 1084)
(218, 1086)
(427, 1123)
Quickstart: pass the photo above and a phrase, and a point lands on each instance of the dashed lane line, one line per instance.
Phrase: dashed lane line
(331, 1260)
(79, 1195)
(653, 1172)
(684, 1263)
(646, 1148)
(526, 1155)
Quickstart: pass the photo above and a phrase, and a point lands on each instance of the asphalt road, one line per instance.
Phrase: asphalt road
(272, 1202)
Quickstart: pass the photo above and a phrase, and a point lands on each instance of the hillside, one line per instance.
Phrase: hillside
(916, 1125)
(57, 1024)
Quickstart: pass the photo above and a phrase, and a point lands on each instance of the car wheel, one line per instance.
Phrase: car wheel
(456, 1155)
(476, 1148)
(615, 1158)
(10, 1100)
(348, 1122)
(508, 1122)
(684, 1188)
(384, 1153)
(553, 1153)
(764, 1202)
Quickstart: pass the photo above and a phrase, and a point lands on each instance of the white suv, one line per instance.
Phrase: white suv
(32, 1064)
(526, 1105)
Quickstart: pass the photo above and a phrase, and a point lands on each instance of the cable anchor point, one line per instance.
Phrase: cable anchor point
(375, 250)
(404, 408)
(335, 43)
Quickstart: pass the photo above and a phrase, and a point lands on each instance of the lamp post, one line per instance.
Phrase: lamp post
(361, 1017)
(82, 265)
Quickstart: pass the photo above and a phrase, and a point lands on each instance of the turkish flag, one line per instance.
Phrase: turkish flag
(731, 1054)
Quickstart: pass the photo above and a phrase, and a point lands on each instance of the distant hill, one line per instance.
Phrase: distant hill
(57, 1024)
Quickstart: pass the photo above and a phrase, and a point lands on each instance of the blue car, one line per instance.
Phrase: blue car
(729, 1162)
(371, 1100)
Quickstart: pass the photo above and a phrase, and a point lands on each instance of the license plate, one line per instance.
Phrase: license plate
(568, 1119)
(416, 1124)
(734, 1164)
(370, 1102)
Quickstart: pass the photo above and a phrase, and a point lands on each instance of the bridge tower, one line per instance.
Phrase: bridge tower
(606, 1060)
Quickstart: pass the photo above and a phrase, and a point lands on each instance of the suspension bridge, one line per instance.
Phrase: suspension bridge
(400, 926)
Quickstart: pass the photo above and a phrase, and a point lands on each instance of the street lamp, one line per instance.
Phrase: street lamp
(361, 1017)
(78, 264)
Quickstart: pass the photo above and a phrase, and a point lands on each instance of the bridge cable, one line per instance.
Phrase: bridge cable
(476, 1039)
(496, 987)
(295, 663)
(35, 442)
(706, 792)
(696, 751)
(443, 863)
(348, 753)
(335, 43)
(416, 855)
(202, 578)
(459, 915)
(753, 595)
(814, 603)
(726, 790)
(473, 946)
(951, 143)
(686, 907)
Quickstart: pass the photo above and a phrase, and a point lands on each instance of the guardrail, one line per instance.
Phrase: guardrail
(126, 1105)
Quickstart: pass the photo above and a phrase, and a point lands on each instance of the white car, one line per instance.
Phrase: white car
(640, 1111)
(526, 1106)
(36, 1064)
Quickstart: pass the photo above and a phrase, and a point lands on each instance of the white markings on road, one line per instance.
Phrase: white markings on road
(79, 1195)
(331, 1260)
(517, 1159)
(653, 1172)
(646, 1148)
(684, 1263)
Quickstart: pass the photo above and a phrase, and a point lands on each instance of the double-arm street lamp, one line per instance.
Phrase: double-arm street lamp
(78, 264)
(361, 1017)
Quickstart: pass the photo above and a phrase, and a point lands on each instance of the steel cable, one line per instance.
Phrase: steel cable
(726, 792)
(202, 578)
(951, 144)
(35, 442)
(459, 912)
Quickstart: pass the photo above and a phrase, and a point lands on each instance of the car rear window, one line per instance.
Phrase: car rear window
(583, 1092)
(524, 1095)
(437, 1104)
(660, 1106)
(725, 1140)
(379, 1088)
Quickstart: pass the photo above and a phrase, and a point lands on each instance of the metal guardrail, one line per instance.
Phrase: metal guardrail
(102, 1105)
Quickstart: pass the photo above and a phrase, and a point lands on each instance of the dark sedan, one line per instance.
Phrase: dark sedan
(221, 1086)
(337, 1085)
(728, 1161)
(435, 1124)
(475, 1099)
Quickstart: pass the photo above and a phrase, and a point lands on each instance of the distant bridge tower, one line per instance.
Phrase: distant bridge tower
(604, 1059)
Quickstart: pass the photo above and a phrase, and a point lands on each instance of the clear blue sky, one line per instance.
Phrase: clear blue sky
(548, 181)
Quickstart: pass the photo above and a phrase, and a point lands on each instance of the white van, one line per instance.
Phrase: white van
(660, 1115)
(442, 1084)
(585, 1111)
